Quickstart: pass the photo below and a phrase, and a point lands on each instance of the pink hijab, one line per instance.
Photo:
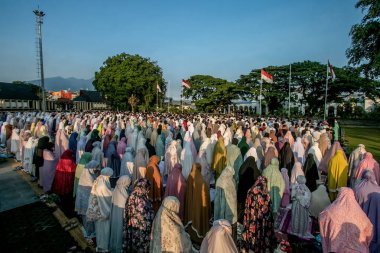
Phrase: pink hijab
(269, 154)
(176, 186)
(61, 142)
(344, 226)
(370, 164)
(121, 146)
(108, 130)
(296, 171)
(189, 139)
(289, 138)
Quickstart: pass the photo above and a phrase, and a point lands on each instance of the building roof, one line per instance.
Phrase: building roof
(89, 96)
(19, 91)
(244, 102)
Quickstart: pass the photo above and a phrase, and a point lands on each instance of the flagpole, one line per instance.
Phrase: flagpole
(290, 80)
(327, 81)
(157, 96)
(261, 87)
(168, 94)
(182, 97)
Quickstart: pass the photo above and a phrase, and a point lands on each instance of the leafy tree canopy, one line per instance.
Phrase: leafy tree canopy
(365, 48)
(210, 93)
(32, 86)
(123, 75)
(29, 86)
(307, 85)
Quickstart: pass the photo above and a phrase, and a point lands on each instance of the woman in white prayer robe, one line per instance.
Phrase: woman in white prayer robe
(97, 153)
(141, 159)
(219, 238)
(119, 199)
(187, 159)
(101, 189)
(171, 157)
(316, 152)
(28, 165)
(85, 183)
(127, 164)
(132, 138)
(15, 144)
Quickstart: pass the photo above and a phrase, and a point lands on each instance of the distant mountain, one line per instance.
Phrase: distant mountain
(60, 83)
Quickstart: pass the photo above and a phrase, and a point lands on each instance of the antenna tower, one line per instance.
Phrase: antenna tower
(40, 64)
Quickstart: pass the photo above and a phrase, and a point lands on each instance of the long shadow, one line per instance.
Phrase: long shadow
(33, 228)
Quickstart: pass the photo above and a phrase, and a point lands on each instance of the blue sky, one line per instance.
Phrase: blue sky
(216, 37)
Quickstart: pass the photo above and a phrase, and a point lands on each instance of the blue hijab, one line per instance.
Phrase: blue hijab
(73, 142)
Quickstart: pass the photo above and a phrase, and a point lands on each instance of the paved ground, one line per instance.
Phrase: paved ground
(33, 228)
(14, 191)
(27, 224)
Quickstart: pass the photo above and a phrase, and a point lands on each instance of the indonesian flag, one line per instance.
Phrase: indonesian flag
(158, 88)
(185, 83)
(333, 76)
(266, 77)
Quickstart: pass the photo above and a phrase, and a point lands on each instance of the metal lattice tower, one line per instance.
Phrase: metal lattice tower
(37, 53)
(40, 64)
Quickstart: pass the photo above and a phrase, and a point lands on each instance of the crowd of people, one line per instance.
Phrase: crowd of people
(160, 182)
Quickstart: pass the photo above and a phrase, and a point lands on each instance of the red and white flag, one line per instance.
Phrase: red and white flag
(185, 83)
(158, 88)
(266, 77)
(331, 70)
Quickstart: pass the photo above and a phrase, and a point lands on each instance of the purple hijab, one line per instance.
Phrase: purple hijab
(286, 197)
(48, 170)
(176, 186)
(279, 144)
(121, 146)
(367, 193)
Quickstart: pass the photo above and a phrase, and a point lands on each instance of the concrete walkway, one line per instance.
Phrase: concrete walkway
(14, 191)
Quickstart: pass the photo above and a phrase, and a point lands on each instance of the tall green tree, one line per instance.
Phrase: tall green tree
(210, 93)
(29, 86)
(307, 85)
(309, 80)
(365, 48)
(124, 75)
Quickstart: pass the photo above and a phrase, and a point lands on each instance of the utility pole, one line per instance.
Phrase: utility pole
(39, 14)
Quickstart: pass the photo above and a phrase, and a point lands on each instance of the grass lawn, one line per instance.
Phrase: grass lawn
(370, 137)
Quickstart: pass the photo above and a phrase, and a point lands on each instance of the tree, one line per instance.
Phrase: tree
(210, 93)
(28, 86)
(273, 94)
(132, 100)
(307, 85)
(365, 48)
(124, 74)
(309, 79)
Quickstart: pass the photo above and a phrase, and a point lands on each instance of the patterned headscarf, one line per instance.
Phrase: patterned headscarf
(139, 218)
(258, 232)
(168, 231)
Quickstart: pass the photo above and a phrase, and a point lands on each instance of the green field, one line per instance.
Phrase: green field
(370, 137)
